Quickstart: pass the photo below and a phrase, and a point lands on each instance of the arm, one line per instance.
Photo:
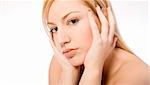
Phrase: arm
(59, 77)
(102, 46)
(92, 76)
(54, 71)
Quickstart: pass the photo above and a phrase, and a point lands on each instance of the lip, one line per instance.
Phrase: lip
(69, 53)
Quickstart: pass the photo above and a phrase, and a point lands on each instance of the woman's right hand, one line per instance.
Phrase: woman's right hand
(69, 74)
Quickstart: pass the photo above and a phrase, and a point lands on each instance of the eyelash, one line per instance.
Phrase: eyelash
(72, 21)
(69, 22)
(52, 29)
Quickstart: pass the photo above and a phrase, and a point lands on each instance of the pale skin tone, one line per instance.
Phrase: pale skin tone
(95, 50)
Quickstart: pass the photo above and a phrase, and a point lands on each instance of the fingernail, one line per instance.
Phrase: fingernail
(89, 11)
(99, 8)
(116, 39)
(95, 3)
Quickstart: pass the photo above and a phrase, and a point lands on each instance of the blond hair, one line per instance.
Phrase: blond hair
(91, 4)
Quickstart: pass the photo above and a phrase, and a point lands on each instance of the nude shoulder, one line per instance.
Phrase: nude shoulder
(131, 70)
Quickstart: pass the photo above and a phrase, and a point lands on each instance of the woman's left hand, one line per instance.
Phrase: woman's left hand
(101, 47)
(103, 43)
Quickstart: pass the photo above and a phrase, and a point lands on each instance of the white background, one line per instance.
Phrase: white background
(25, 51)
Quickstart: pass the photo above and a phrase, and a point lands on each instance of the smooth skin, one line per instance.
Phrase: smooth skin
(117, 66)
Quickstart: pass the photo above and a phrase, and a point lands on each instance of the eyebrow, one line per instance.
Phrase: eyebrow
(65, 16)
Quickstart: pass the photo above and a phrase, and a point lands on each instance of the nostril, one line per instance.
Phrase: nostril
(64, 43)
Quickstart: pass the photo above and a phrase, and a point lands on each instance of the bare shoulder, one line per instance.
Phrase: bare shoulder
(130, 71)
(54, 71)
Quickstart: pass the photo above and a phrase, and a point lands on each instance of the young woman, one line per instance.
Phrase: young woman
(88, 49)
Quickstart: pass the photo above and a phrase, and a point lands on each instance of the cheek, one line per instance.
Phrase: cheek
(86, 39)
(83, 36)
(86, 35)
(82, 39)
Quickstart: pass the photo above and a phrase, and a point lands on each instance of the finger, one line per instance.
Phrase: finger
(93, 26)
(108, 3)
(104, 22)
(60, 57)
(111, 23)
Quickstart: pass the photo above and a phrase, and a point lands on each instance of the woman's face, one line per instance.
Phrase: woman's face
(69, 25)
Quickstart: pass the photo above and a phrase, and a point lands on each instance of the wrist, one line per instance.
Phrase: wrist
(68, 78)
(71, 75)
(92, 72)
(96, 66)
(91, 77)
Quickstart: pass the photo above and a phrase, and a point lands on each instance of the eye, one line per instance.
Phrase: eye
(55, 29)
(72, 21)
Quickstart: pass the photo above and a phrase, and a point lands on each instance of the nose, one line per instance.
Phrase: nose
(63, 37)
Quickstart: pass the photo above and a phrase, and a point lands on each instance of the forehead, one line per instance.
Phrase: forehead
(60, 8)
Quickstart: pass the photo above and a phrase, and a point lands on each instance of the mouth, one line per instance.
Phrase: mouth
(69, 53)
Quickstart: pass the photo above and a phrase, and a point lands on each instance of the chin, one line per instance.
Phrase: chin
(77, 63)
(77, 60)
